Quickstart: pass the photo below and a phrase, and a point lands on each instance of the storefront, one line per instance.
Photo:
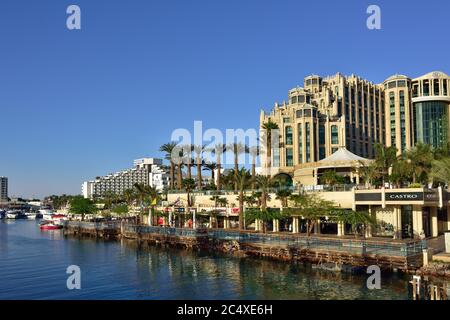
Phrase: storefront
(405, 213)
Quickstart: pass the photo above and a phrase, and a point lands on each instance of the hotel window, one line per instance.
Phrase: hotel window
(392, 84)
(334, 135)
(401, 83)
(294, 100)
(276, 157)
(288, 133)
(289, 157)
(308, 99)
(307, 112)
(392, 116)
(426, 88)
(300, 143)
(301, 99)
(444, 87)
(308, 142)
(415, 90)
(287, 120)
(321, 134)
(436, 87)
(339, 108)
(299, 113)
(321, 153)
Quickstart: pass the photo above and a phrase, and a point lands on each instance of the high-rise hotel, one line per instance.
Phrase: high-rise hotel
(338, 112)
(3, 189)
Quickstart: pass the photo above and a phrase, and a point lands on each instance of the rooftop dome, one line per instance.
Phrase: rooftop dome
(396, 76)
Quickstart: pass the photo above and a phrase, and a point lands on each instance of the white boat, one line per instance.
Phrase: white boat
(32, 215)
(46, 214)
(15, 214)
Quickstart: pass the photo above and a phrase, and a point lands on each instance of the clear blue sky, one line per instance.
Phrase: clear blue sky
(76, 104)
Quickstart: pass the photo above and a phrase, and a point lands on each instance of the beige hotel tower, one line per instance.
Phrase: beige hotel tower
(350, 115)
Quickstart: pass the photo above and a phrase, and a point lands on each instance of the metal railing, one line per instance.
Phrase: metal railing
(355, 246)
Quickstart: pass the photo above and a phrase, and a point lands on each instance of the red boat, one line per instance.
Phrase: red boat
(50, 226)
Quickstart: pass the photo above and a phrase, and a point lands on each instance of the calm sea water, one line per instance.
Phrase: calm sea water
(33, 266)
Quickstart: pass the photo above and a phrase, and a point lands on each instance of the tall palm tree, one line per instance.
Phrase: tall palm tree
(188, 185)
(385, 157)
(269, 126)
(242, 179)
(212, 166)
(198, 150)
(168, 149)
(218, 150)
(420, 158)
(237, 148)
(146, 195)
(129, 196)
(264, 183)
(188, 148)
(178, 157)
(254, 152)
(441, 170)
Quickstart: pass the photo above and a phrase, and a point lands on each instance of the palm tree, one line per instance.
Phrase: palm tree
(198, 150)
(188, 148)
(330, 177)
(283, 195)
(178, 157)
(385, 157)
(254, 151)
(237, 148)
(212, 166)
(189, 185)
(146, 195)
(420, 158)
(264, 183)
(242, 179)
(440, 170)
(168, 149)
(269, 126)
(369, 173)
(218, 150)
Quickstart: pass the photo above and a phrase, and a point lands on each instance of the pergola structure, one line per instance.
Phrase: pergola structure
(344, 162)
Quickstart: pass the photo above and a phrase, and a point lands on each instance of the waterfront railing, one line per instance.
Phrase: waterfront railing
(299, 241)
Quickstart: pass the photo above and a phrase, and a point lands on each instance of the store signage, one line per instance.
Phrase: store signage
(179, 209)
(404, 196)
(368, 197)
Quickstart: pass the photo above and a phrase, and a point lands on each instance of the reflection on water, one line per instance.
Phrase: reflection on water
(33, 265)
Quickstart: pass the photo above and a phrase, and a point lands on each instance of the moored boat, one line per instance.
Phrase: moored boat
(49, 225)
(15, 214)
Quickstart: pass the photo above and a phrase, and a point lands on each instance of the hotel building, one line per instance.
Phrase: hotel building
(146, 171)
(353, 113)
(3, 189)
(334, 123)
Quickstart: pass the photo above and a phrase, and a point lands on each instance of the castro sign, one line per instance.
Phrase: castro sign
(404, 196)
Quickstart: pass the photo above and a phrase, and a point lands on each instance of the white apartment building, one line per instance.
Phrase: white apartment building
(147, 171)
